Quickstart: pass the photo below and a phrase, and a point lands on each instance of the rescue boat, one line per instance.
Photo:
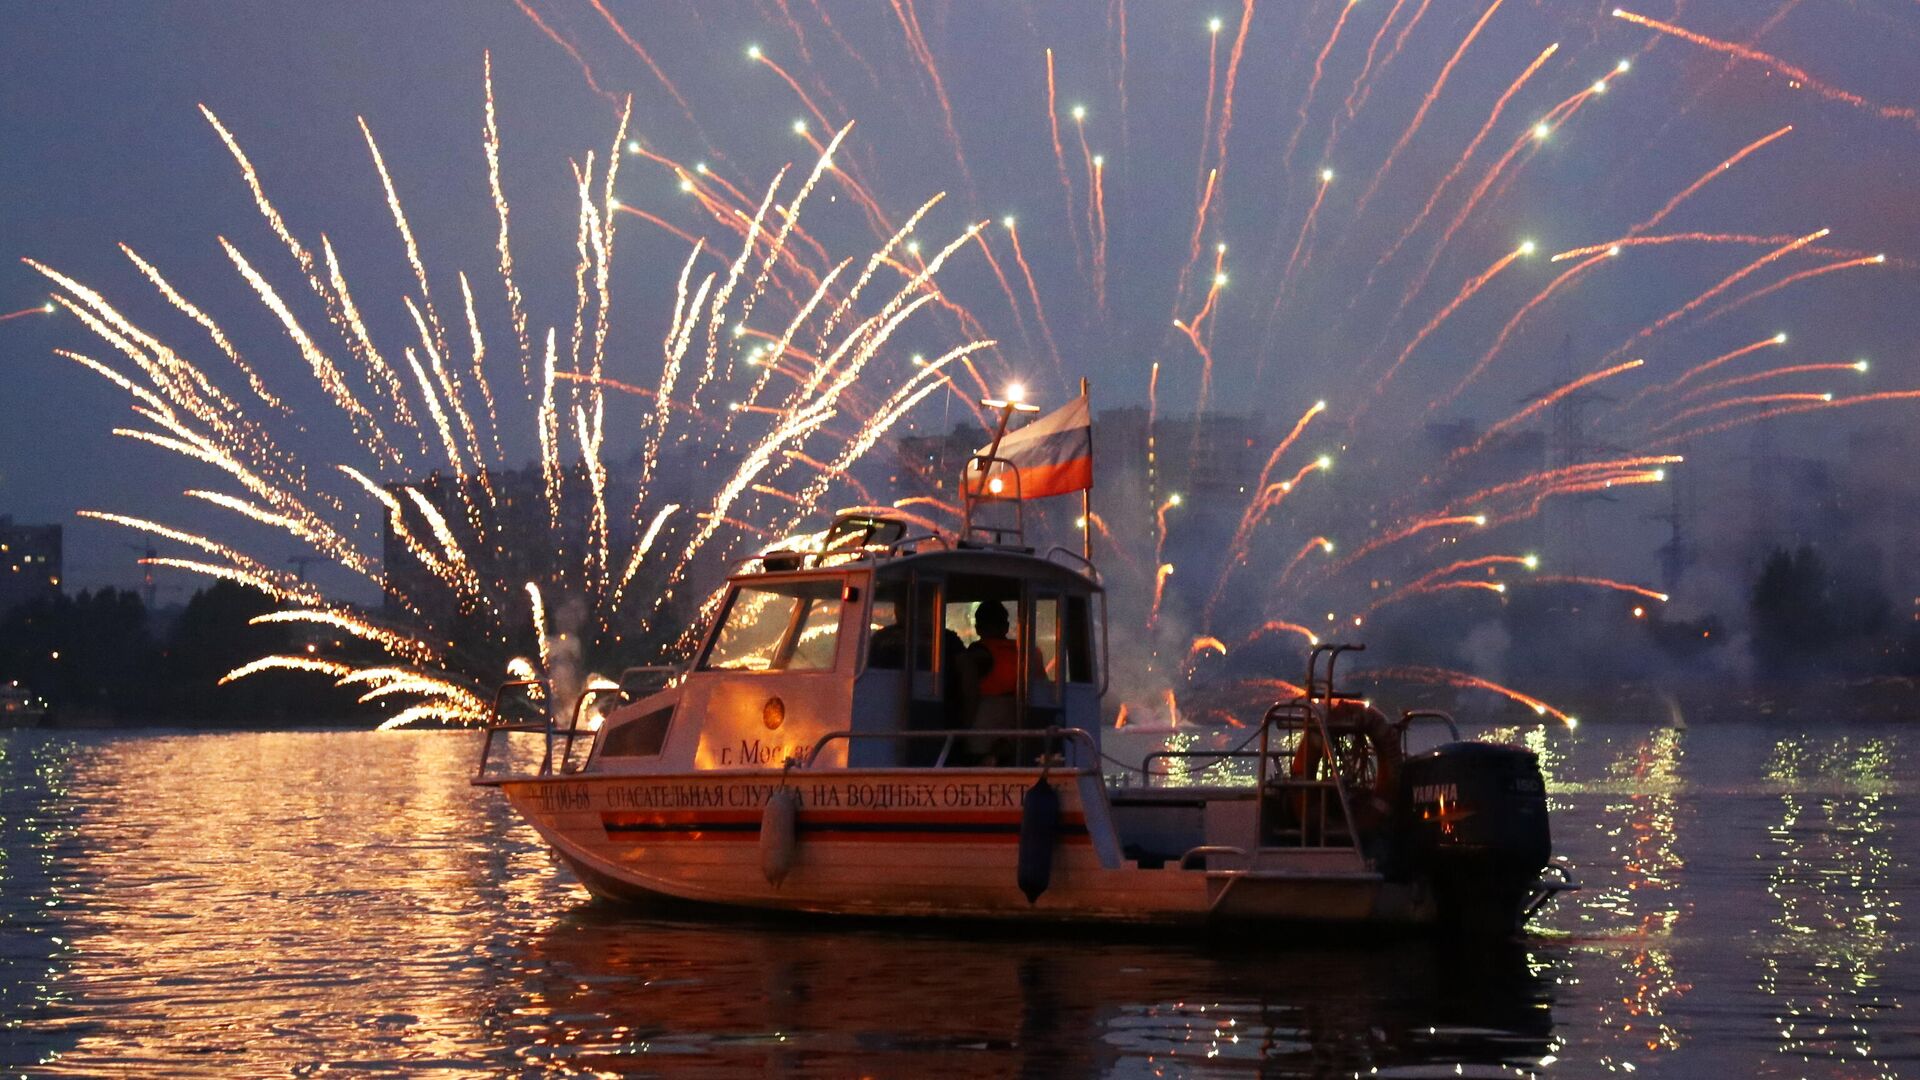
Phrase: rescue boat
(833, 748)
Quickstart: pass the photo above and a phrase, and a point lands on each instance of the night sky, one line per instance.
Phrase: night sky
(103, 144)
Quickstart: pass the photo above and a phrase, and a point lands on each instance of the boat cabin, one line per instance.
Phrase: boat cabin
(881, 650)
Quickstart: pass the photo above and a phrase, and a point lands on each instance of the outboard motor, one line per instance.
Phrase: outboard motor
(1475, 826)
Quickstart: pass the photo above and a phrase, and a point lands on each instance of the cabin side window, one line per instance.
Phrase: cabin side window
(643, 736)
(1046, 646)
(887, 627)
(1077, 641)
(778, 626)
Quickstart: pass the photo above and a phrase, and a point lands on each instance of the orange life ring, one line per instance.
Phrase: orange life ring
(1383, 739)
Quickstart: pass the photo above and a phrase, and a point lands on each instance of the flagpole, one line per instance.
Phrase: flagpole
(1086, 493)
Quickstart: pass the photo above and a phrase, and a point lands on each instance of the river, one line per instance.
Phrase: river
(195, 903)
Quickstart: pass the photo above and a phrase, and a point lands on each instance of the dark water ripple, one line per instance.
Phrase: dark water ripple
(298, 903)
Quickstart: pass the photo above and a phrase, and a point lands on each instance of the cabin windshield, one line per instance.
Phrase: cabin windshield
(783, 626)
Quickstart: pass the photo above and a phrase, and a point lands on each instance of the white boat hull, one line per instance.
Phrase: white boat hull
(922, 843)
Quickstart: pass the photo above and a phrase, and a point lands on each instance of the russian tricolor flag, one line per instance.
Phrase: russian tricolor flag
(1054, 456)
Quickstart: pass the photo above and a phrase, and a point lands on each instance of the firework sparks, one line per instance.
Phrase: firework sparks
(1445, 677)
(1754, 56)
(808, 351)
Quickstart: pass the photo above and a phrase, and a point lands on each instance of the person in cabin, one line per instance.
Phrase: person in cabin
(995, 657)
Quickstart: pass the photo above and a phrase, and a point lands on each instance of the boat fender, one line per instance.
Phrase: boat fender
(1039, 826)
(779, 834)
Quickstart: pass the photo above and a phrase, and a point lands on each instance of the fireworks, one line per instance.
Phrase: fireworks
(456, 624)
(1382, 260)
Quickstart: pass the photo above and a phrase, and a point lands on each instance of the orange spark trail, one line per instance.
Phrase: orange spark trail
(1747, 239)
(23, 312)
(917, 42)
(858, 58)
(1286, 444)
(1751, 55)
(1790, 410)
(676, 230)
(1264, 502)
(1294, 264)
(1226, 94)
(1542, 403)
(1206, 113)
(1472, 564)
(1473, 146)
(1600, 583)
(1100, 233)
(1725, 283)
(1373, 48)
(592, 83)
(1120, 718)
(1770, 373)
(1790, 279)
(651, 66)
(1705, 178)
(1363, 87)
(1427, 589)
(1202, 644)
(1426, 104)
(814, 110)
(1527, 140)
(1413, 528)
(1306, 549)
(927, 500)
(1558, 119)
(1013, 302)
(1033, 291)
(1193, 254)
(1159, 592)
(1313, 83)
(1060, 157)
(1583, 470)
(1500, 339)
(1465, 294)
(1086, 158)
(1192, 330)
(1449, 677)
(1739, 402)
(1275, 626)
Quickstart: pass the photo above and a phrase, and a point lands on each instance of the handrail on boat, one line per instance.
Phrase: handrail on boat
(626, 688)
(1210, 849)
(1311, 711)
(949, 735)
(1453, 729)
(499, 694)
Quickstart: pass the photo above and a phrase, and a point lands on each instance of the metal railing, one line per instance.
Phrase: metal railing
(634, 681)
(1048, 737)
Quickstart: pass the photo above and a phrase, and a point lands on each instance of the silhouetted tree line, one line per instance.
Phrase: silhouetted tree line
(99, 655)
(1806, 616)
(1809, 618)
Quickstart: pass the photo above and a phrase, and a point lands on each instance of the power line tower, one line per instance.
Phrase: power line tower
(1569, 444)
(1678, 552)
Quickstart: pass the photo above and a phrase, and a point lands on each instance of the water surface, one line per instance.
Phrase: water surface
(177, 903)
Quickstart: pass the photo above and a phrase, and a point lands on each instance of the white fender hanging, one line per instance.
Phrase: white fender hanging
(779, 834)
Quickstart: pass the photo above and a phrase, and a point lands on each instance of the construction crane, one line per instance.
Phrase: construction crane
(148, 553)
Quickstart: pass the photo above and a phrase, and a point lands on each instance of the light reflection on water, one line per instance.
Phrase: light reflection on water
(271, 903)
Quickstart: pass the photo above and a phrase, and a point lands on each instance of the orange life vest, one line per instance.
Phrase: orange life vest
(1000, 679)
